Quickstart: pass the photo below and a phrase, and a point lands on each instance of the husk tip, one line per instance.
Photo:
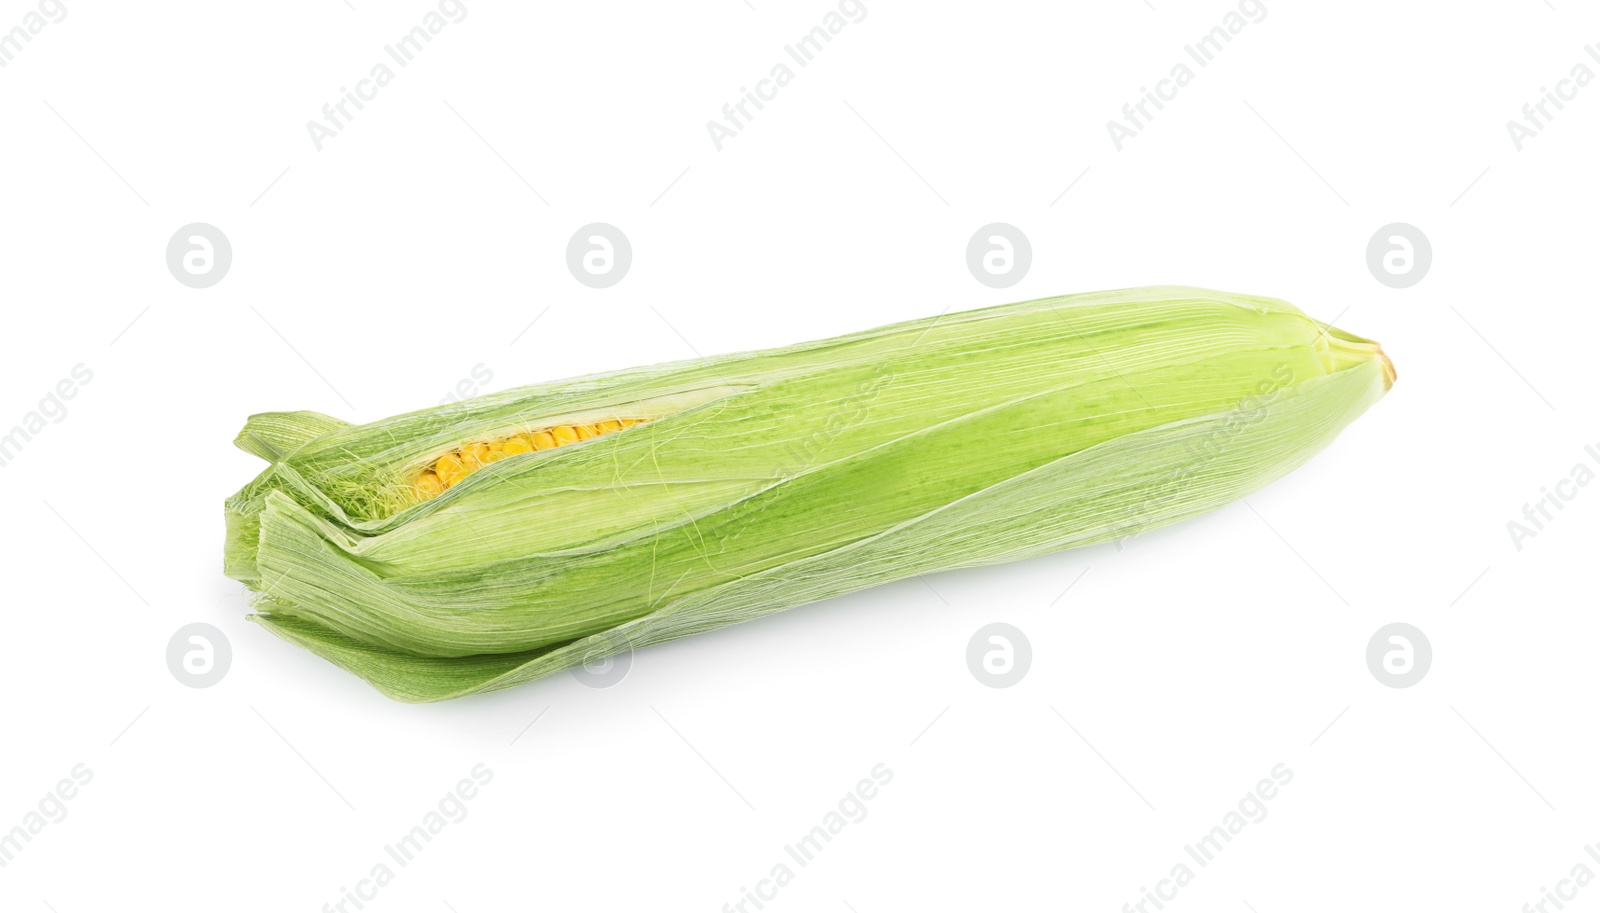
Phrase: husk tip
(1389, 374)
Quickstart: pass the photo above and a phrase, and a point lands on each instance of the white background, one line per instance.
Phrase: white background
(372, 276)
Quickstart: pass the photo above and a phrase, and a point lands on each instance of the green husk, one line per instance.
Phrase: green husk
(770, 479)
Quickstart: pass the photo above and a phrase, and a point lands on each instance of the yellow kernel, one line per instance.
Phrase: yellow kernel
(449, 469)
(608, 427)
(564, 434)
(512, 446)
(474, 456)
(584, 432)
(428, 484)
(542, 440)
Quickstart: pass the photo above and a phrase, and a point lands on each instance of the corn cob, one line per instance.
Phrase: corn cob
(456, 550)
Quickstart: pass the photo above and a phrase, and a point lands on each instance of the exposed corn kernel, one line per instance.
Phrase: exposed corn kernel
(428, 484)
(475, 456)
(451, 468)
